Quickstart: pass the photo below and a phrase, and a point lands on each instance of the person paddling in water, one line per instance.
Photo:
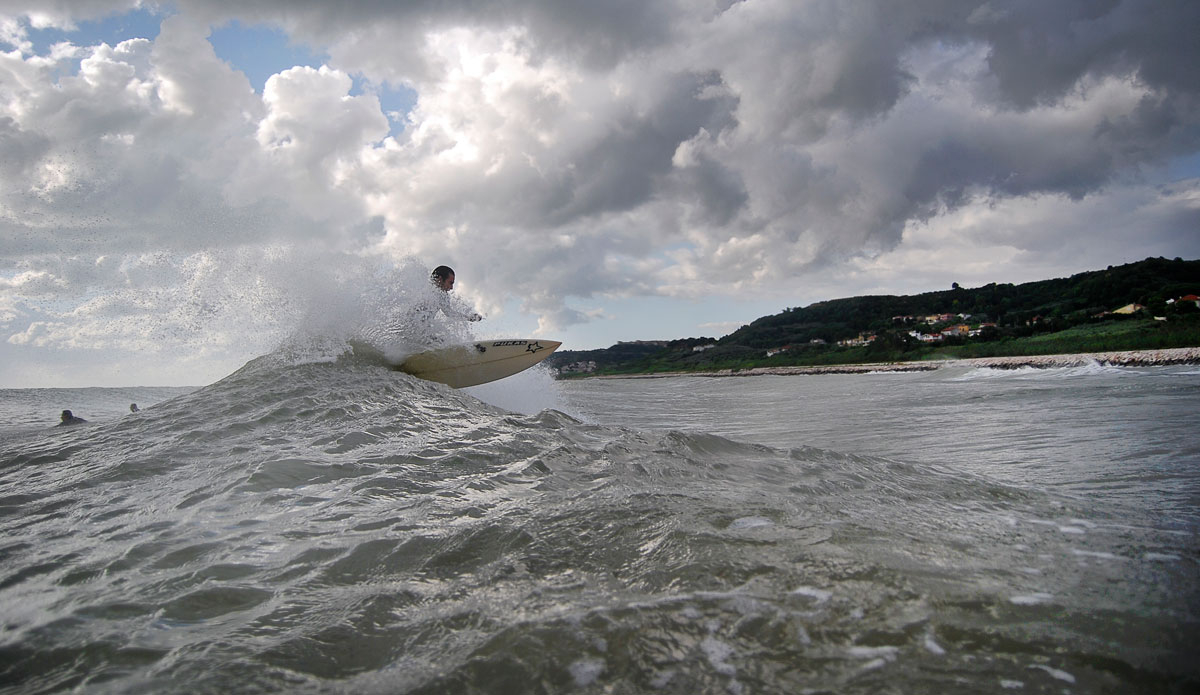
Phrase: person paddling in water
(68, 418)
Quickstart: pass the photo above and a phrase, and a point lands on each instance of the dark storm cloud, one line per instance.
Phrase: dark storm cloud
(20, 149)
(1039, 50)
(596, 34)
(625, 168)
(580, 148)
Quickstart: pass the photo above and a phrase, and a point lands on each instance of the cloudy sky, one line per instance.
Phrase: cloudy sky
(182, 183)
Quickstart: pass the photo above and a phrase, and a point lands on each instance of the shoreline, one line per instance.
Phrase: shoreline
(1127, 358)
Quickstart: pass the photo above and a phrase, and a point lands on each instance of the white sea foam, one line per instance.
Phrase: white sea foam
(877, 657)
(1056, 673)
(586, 671)
(528, 392)
(818, 595)
(997, 373)
(1062, 528)
(1031, 599)
(661, 679)
(932, 646)
(718, 653)
(747, 522)
(802, 635)
(1090, 368)
(858, 652)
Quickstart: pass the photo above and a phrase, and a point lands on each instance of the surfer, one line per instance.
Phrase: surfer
(442, 278)
(424, 313)
(416, 326)
(68, 418)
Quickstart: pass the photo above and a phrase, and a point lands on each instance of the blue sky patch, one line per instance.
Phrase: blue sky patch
(112, 30)
(260, 51)
(396, 102)
(1184, 167)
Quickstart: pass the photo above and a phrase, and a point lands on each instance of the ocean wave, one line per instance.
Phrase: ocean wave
(1087, 369)
(335, 525)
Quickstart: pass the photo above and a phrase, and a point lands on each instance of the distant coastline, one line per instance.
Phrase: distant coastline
(1127, 314)
(1126, 358)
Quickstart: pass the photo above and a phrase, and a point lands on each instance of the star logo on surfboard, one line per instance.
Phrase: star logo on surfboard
(534, 347)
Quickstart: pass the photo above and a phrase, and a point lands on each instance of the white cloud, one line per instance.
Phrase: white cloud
(61, 14)
(1004, 239)
(720, 328)
(563, 154)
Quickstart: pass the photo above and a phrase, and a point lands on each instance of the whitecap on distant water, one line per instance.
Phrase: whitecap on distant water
(586, 671)
(718, 654)
(932, 646)
(818, 595)
(1091, 368)
(1096, 555)
(750, 522)
(1031, 599)
(1094, 368)
(1055, 673)
(996, 372)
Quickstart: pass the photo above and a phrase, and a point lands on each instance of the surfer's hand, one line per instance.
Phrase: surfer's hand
(474, 317)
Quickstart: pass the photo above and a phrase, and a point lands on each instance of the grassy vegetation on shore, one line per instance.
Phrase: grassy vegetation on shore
(1111, 336)
(1098, 311)
(1108, 336)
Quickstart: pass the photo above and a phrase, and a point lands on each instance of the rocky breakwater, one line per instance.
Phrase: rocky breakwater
(1129, 358)
(790, 371)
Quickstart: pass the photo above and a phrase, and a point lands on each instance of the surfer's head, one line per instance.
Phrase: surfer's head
(67, 416)
(443, 277)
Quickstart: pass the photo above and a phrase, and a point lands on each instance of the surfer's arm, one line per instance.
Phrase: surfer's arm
(456, 309)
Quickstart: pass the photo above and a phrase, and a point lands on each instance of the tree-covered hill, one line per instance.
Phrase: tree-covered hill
(1150, 282)
(1017, 311)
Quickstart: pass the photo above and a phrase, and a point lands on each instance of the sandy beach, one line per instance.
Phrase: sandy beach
(1130, 358)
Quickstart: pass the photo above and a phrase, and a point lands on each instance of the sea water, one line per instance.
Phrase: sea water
(336, 527)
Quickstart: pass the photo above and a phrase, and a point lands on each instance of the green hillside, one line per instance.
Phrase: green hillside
(1061, 315)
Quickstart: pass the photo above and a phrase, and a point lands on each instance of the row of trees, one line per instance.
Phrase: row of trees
(1057, 303)
(1025, 316)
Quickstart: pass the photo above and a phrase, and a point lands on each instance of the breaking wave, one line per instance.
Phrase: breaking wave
(337, 526)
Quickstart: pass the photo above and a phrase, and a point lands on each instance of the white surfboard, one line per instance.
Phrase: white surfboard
(471, 364)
